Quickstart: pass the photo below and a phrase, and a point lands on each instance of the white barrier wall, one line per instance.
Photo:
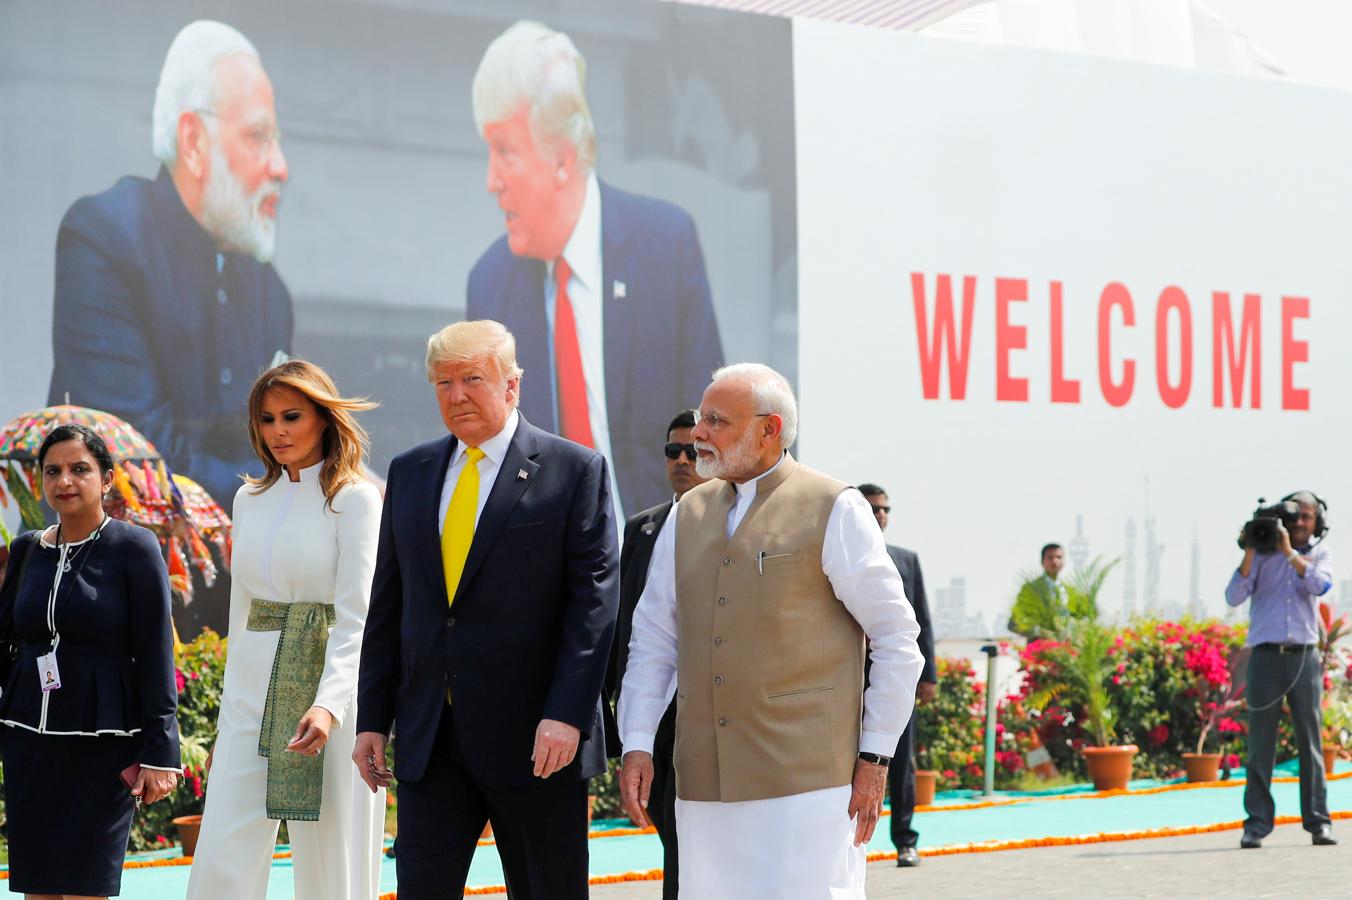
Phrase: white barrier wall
(1036, 288)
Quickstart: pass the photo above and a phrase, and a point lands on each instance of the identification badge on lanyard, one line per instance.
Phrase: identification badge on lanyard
(49, 676)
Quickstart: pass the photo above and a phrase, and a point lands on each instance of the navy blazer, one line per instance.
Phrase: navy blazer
(640, 536)
(661, 340)
(908, 565)
(144, 326)
(116, 655)
(528, 635)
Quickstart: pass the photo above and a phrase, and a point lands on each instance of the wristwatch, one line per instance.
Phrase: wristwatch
(876, 759)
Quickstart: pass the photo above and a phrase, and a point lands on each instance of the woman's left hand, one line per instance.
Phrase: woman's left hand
(154, 784)
(312, 731)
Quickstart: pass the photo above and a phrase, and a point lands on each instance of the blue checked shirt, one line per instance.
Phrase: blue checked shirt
(1285, 604)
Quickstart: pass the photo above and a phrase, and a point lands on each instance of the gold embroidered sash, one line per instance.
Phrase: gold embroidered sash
(295, 781)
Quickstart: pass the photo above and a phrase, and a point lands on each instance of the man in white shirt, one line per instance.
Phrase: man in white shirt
(760, 603)
(604, 290)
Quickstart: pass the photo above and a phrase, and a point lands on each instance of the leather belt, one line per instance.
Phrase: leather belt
(1284, 648)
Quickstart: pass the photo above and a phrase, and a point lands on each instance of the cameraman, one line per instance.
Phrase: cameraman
(1284, 585)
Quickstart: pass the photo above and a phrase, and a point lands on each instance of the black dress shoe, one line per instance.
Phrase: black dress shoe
(1250, 841)
(1323, 837)
(907, 857)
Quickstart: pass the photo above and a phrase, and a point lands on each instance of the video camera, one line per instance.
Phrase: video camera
(1260, 532)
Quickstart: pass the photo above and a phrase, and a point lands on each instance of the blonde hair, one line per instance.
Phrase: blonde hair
(344, 442)
(533, 65)
(472, 340)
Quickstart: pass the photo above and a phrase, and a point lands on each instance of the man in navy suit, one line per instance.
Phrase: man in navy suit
(640, 535)
(492, 606)
(166, 304)
(901, 774)
(605, 290)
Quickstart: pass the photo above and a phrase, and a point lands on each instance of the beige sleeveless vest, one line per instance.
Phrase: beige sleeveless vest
(771, 664)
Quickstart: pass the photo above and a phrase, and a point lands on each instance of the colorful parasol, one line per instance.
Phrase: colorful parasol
(175, 507)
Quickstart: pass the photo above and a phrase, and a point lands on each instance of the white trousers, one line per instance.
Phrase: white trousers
(335, 858)
(799, 847)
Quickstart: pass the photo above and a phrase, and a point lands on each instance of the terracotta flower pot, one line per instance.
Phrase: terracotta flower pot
(188, 828)
(925, 781)
(1330, 757)
(1109, 767)
(1202, 766)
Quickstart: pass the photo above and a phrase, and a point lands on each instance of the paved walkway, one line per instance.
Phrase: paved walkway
(1194, 866)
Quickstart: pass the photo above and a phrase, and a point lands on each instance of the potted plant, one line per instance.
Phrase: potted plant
(1085, 664)
(192, 751)
(1216, 709)
(1337, 702)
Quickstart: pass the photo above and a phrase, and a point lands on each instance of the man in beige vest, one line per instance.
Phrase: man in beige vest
(760, 604)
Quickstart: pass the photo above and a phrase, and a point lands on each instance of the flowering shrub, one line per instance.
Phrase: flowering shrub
(199, 673)
(950, 732)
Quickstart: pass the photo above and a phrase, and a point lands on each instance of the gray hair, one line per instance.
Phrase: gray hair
(188, 80)
(533, 65)
(771, 392)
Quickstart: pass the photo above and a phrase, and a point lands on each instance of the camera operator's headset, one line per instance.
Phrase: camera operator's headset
(1321, 528)
(1321, 514)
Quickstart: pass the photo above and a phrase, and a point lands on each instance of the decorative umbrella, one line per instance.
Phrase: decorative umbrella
(175, 507)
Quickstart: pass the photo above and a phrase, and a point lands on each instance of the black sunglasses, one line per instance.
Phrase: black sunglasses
(674, 450)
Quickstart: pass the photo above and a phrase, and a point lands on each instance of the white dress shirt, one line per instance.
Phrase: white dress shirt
(587, 295)
(495, 451)
(863, 577)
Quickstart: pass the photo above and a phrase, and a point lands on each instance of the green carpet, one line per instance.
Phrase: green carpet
(1040, 817)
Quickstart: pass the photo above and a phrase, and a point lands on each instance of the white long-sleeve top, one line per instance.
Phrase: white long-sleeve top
(290, 547)
(864, 578)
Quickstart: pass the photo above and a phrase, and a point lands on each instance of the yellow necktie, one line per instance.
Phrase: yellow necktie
(457, 531)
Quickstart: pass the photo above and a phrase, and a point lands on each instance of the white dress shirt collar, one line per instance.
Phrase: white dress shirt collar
(746, 495)
(495, 448)
(583, 250)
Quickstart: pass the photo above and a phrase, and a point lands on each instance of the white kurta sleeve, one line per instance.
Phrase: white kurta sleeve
(357, 509)
(648, 676)
(865, 579)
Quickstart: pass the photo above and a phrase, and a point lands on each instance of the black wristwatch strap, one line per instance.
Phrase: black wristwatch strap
(876, 759)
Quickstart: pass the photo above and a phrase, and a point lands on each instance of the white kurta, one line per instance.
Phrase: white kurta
(800, 845)
(290, 548)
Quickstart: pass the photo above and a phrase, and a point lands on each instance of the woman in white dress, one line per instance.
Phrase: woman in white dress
(304, 552)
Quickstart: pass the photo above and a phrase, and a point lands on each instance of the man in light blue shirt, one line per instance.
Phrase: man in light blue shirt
(1285, 585)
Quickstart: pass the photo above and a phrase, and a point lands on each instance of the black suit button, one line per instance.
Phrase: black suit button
(450, 622)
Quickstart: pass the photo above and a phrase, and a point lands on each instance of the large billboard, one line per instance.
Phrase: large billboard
(120, 290)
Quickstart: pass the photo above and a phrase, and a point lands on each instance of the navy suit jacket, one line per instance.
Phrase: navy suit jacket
(146, 328)
(640, 536)
(661, 340)
(528, 635)
(908, 565)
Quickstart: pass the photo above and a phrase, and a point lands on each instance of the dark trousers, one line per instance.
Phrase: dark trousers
(901, 789)
(1298, 675)
(662, 800)
(541, 830)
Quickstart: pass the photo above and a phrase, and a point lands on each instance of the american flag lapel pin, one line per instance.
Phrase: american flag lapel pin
(520, 474)
(619, 290)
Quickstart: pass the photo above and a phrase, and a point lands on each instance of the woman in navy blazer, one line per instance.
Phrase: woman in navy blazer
(92, 593)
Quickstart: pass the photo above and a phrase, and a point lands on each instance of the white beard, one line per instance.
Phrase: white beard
(740, 459)
(233, 217)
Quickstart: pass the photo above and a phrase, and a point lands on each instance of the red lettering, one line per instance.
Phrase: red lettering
(1223, 345)
(943, 340)
(1294, 351)
(1173, 299)
(1116, 393)
(1009, 337)
(1064, 390)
